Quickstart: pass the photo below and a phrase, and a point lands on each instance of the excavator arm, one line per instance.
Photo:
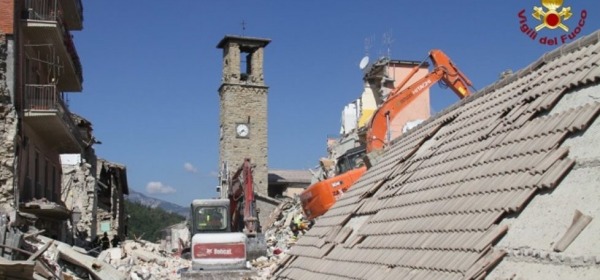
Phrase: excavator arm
(244, 214)
(319, 197)
(242, 192)
(444, 70)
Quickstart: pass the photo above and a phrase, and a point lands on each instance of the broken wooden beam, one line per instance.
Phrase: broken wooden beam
(40, 251)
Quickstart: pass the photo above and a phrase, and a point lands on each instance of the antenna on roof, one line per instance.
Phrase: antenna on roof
(243, 23)
(368, 45)
(365, 60)
(387, 41)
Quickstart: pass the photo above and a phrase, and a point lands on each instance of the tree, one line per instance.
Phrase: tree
(146, 222)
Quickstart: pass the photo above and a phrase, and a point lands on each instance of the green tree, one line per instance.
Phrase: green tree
(146, 222)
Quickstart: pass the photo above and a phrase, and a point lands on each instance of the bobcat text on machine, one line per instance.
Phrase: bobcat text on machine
(226, 232)
(319, 197)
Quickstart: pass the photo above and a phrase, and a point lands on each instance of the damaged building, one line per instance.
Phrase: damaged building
(95, 195)
(112, 188)
(39, 67)
(287, 182)
(502, 185)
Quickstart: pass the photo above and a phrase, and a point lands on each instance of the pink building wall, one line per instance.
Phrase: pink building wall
(419, 109)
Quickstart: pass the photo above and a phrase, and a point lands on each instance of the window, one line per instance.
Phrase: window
(105, 226)
(211, 218)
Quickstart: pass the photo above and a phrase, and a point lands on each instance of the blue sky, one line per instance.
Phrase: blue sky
(152, 71)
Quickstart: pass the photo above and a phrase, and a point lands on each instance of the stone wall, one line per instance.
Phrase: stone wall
(243, 104)
(112, 180)
(243, 100)
(8, 133)
(79, 194)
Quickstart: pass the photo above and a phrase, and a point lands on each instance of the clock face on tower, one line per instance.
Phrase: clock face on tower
(242, 130)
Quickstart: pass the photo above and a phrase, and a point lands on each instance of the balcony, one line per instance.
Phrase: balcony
(46, 113)
(71, 11)
(44, 25)
(41, 202)
(73, 14)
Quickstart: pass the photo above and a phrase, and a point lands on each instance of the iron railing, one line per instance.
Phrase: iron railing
(50, 10)
(43, 10)
(47, 98)
(42, 97)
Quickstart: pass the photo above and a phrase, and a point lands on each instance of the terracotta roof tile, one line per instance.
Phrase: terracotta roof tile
(439, 192)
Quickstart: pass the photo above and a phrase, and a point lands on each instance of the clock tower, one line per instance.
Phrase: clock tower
(243, 108)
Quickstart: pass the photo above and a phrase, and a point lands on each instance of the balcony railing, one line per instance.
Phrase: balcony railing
(42, 97)
(44, 10)
(69, 12)
(45, 98)
(51, 11)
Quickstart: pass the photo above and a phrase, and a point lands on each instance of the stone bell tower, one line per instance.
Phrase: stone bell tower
(243, 107)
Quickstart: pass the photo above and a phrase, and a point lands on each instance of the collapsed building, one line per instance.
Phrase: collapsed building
(346, 151)
(95, 194)
(501, 185)
(287, 182)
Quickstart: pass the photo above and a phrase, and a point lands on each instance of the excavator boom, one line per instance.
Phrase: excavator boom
(243, 210)
(399, 99)
(319, 197)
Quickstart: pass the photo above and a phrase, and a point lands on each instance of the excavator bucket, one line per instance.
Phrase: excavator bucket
(256, 246)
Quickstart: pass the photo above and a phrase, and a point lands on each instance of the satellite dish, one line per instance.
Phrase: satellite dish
(364, 62)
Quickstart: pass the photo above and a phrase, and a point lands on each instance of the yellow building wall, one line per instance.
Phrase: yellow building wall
(368, 106)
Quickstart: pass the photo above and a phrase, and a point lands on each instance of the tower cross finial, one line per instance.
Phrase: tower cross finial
(243, 27)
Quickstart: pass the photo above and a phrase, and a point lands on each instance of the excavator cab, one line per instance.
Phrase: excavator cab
(350, 160)
(209, 218)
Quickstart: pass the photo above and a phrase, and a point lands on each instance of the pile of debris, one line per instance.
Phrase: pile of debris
(144, 260)
(286, 224)
(38, 257)
(33, 256)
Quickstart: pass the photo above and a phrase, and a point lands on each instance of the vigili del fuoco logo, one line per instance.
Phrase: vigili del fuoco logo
(551, 24)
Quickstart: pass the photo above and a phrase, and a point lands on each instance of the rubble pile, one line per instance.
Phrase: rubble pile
(132, 260)
(144, 260)
(46, 258)
(279, 237)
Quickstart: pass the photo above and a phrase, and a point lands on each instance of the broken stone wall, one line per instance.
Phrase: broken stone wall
(112, 180)
(8, 131)
(175, 238)
(79, 195)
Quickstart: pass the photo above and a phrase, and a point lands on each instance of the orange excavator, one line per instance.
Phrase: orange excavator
(319, 197)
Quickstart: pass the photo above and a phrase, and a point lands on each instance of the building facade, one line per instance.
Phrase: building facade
(39, 67)
(381, 79)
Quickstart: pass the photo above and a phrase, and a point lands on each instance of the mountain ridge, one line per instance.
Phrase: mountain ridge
(152, 202)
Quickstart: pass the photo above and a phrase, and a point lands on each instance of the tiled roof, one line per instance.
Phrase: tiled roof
(433, 206)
